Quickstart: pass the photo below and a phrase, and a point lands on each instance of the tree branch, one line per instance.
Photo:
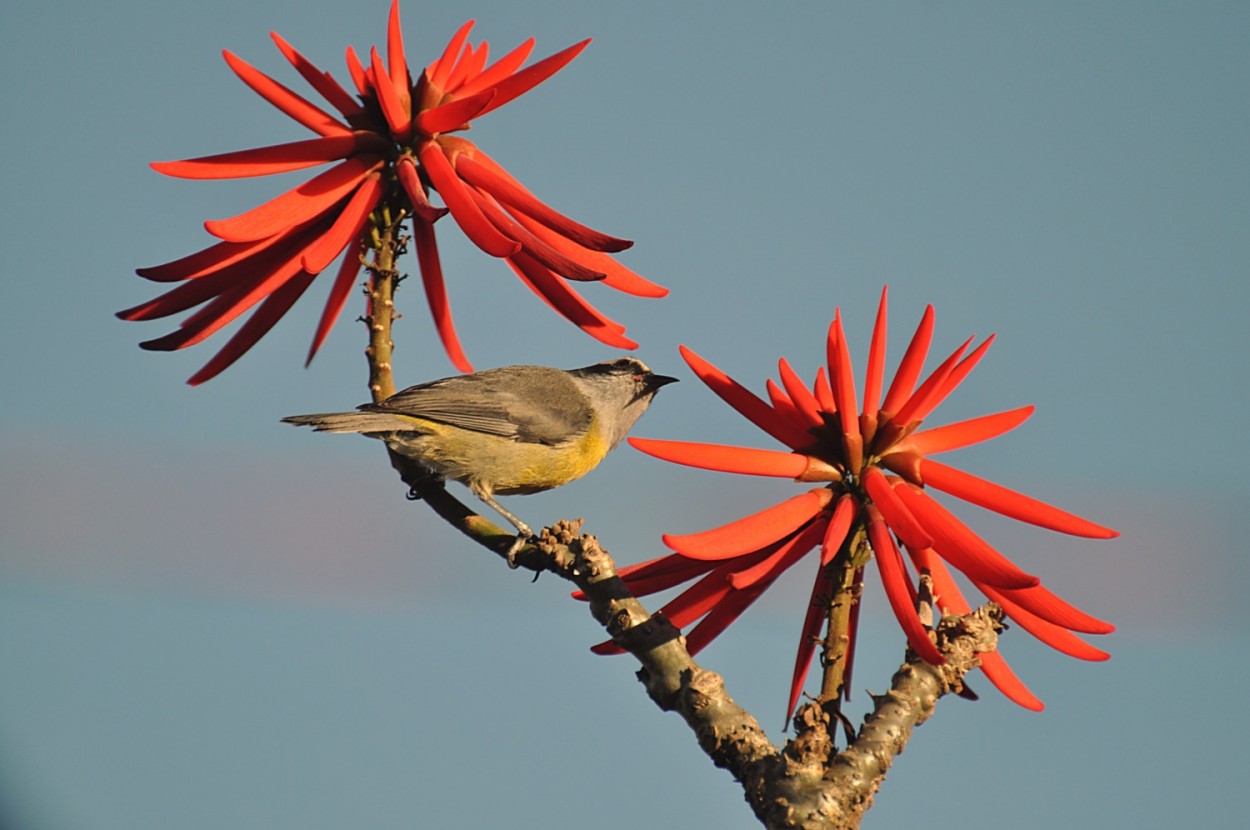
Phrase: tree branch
(855, 774)
(806, 784)
(383, 279)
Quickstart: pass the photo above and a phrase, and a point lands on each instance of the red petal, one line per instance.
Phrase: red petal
(406, 170)
(1039, 600)
(844, 512)
(659, 574)
(277, 252)
(359, 76)
(995, 667)
(460, 201)
(398, 119)
(278, 269)
(840, 375)
(277, 158)
(808, 635)
(782, 404)
(436, 293)
(339, 292)
(470, 63)
(805, 403)
(204, 262)
(876, 360)
(960, 546)
(824, 392)
(453, 115)
(185, 296)
(440, 70)
(1005, 680)
(949, 598)
(1057, 637)
(396, 61)
(221, 310)
(721, 617)
(618, 276)
(533, 75)
(499, 184)
(896, 514)
(1008, 502)
(663, 573)
(347, 227)
(306, 113)
(924, 398)
(697, 600)
(568, 303)
(779, 561)
(726, 459)
(669, 563)
(318, 80)
(852, 629)
(746, 403)
(499, 70)
(753, 532)
(956, 377)
(256, 327)
(294, 207)
(964, 433)
(646, 587)
(909, 367)
(899, 590)
(606, 648)
(533, 246)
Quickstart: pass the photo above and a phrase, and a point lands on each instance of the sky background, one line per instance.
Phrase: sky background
(209, 619)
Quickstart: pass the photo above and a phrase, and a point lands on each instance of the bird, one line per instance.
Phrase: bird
(512, 430)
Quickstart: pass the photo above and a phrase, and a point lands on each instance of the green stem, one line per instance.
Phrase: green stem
(382, 281)
(389, 243)
(837, 642)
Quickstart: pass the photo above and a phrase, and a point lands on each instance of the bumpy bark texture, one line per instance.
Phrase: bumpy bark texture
(804, 784)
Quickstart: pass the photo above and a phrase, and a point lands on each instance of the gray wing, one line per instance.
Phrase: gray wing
(533, 404)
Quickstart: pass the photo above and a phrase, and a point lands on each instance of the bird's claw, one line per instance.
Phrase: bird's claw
(521, 540)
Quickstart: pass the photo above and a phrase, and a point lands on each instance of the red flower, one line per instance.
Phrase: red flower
(875, 474)
(389, 145)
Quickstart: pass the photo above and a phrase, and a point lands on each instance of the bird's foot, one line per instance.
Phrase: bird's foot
(522, 539)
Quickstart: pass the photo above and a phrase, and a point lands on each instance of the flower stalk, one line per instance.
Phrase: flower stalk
(380, 315)
(843, 609)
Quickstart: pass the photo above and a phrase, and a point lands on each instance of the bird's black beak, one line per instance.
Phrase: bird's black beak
(650, 385)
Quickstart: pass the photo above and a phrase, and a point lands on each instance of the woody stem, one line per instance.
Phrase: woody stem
(389, 243)
(837, 643)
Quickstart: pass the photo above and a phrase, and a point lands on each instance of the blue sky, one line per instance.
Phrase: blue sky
(209, 619)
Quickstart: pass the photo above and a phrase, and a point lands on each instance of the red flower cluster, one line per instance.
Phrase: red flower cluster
(390, 145)
(875, 472)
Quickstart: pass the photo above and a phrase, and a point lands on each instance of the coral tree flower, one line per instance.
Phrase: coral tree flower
(389, 145)
(874, 472)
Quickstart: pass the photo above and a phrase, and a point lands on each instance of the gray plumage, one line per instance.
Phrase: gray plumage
(511, 430)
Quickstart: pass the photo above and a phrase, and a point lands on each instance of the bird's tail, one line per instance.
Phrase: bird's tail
(365, 422)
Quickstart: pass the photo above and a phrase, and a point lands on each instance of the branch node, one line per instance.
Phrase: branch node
(702, 688)
(812, 746)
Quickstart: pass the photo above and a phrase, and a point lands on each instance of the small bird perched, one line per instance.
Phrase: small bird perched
(507, 431)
